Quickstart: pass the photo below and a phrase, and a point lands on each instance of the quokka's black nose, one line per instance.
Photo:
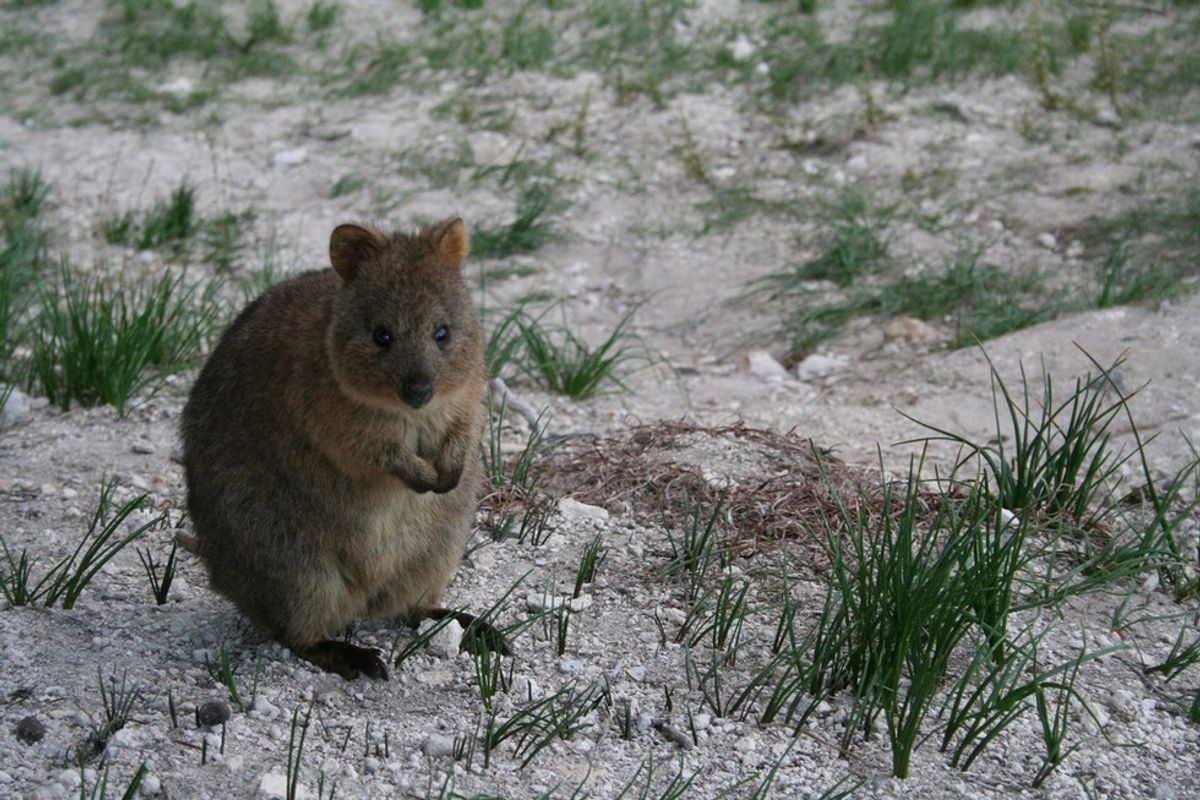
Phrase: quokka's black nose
(417, 393)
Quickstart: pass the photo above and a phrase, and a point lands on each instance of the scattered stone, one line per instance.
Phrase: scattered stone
(702, 721)
(1163, 792)
(525, 688)
(637, 673)
(741, 49)
(435, 677)
(673, 734)
(371, 766)
(290, 158)
(571, 666)
(30, 730)
(819, 366)
(482, 560)
(447, 641)
(573, 509)
(951, 109)
(1047, 240)
(326, 133)
(746, 744)
(1107, 118)
(274, 786)
(180, 87)
(536, 602)
(143, 447)
(439, 745)
(212, 712)
(151, 785)
(15, 409)
(762, 364)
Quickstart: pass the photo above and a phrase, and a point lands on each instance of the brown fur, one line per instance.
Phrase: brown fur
(322, 486)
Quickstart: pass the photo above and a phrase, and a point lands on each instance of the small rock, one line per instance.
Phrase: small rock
(1047, 240)
(5, 777)
(125, 737)
(435, 677)
(702, 721)
(746, 744)
(819, 366)
(1107, 118)
(951, 109)
(482, 560)
(573, 509)
(142, 447)
(525, 688)
(673, 734)
(637, 673)
(1163, 792)
(570, 666)
(447, 641)
(151, 785)
(68, 778)
(15, 409)
(438, 745)
(212, 712)
(371, 766)
(741, 48)
(643, 722)
(290, 158)
(275, 786)
(30, 730)
(181, 87)
(762, 364)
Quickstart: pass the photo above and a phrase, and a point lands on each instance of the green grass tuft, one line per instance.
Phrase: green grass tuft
(94, 343)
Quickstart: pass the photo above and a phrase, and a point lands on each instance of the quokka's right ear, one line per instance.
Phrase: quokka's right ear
(350, 246)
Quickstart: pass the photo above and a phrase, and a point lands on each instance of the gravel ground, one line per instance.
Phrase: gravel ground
(632, 242)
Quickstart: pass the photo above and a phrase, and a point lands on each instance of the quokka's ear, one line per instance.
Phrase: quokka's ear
(449, 239)
(350, 245)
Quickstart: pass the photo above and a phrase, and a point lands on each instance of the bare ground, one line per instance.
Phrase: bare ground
(631, 241)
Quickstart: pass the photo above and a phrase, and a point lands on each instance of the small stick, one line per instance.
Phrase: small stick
(502, 395)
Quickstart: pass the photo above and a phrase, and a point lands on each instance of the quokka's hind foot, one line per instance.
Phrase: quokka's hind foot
(477, 634)
(348, 660)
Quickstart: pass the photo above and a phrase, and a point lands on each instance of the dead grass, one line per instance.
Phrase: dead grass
(774, 486)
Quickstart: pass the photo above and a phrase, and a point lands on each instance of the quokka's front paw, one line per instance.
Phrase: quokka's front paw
(423, 478)
(448, 478)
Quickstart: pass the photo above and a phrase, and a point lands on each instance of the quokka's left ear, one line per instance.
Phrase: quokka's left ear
(449, 239)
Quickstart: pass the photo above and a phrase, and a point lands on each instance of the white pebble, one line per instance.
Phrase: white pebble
(439, 745)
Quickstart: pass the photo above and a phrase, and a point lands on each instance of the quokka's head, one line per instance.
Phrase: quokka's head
(404, 331)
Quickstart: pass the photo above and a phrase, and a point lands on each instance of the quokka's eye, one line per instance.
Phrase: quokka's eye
(441, 335)
(382, 336)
